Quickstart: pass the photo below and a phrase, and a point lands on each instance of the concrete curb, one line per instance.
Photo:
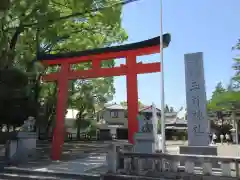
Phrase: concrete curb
(31, 172)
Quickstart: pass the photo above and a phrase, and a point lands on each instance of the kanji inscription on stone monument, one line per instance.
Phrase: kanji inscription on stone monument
(198, 134)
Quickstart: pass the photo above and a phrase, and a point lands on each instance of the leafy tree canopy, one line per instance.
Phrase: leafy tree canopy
(32, 24)
(14, 102)
(25, 17)
(227, 98)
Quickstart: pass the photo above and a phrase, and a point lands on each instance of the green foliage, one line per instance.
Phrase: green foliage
(5, 4)
(217, 98)
(87, 96)
(97, 29)
(229, 98)
(226, 98)
(225, 101)
(236, 77)
(236, 67)
(25, 20)
(219, 89)
(15, 103)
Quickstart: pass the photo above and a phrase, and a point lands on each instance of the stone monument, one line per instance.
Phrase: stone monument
(146, 139)
(198, 123)
(23, 147)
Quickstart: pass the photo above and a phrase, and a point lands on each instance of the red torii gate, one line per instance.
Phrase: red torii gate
(131, 69)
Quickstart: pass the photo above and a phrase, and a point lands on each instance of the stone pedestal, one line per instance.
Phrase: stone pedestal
(158, 143)
(11, 149)
(146, 140)
(22, 148)
(144, 143)
(27, 142)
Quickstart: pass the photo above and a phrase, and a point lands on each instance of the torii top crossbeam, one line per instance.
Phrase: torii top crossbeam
(147, 47)
(150, 46)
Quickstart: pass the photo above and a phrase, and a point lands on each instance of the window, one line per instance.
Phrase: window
(114, 114)
(126, 114)
(116, 123)
(148, 115)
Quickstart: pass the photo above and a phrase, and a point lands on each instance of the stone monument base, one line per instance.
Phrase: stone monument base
(27, 142)
(144, 143)
(22, 148)
(200, 150)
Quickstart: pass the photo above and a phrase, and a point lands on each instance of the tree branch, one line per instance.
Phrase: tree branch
(14, 39)
(57, 3)
(18, 31)
(89, 12)
(20, 28)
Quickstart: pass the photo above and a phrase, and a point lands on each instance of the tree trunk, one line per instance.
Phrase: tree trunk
(222, 124)
(49, 125)
(51, 111)
(78, 129)
(8, 128)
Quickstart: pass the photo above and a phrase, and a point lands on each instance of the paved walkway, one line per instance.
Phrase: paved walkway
(95, 163)
(79, 166)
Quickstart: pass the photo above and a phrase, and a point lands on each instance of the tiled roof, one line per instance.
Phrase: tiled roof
(175, 121)
(171, 117)
(114, 106)
(170, 114)
(148, 109)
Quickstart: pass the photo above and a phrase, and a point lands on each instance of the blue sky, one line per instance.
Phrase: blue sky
(209, 26)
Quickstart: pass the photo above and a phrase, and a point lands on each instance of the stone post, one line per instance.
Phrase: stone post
(198, 123)
(112, 158)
